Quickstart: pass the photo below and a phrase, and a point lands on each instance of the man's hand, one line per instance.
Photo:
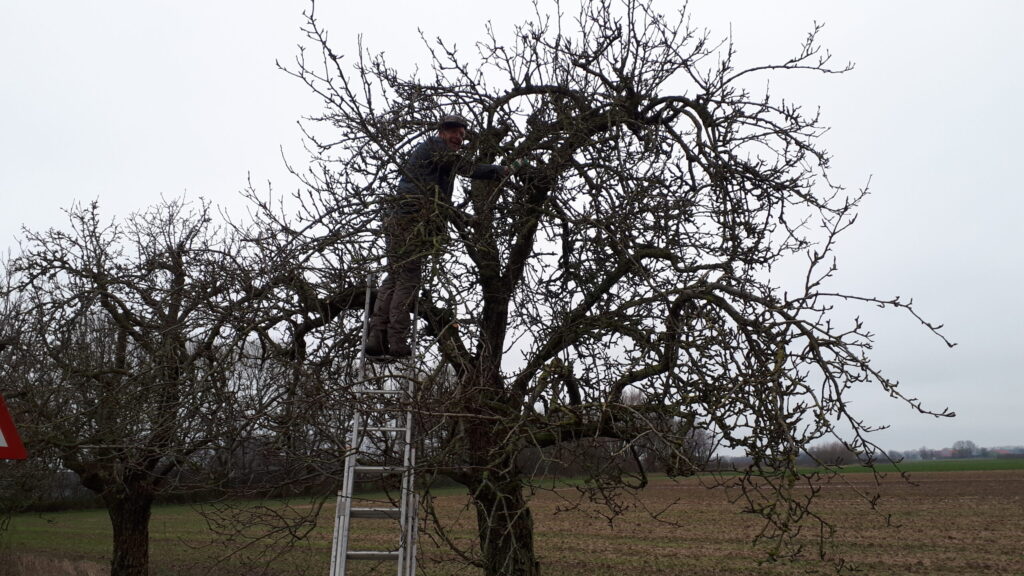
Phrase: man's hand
(515, 166)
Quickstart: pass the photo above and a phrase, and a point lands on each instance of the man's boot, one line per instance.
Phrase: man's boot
(400, 320)
(399, 350)
(376, 342)
(398, 336)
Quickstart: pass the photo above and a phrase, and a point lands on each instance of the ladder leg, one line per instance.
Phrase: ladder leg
(406, 565)
(343, 510)
(394, 424)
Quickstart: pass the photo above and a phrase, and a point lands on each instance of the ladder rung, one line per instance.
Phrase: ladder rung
(379, 469)
(392, 513)
(372, 555)
(375, 392)
(388, 360)
(379, 409)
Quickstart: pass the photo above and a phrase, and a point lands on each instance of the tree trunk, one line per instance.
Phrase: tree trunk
(504, 523)
(129, 507)
(505, 526)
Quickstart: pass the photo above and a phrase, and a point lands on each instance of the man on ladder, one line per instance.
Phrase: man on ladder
(414, 225)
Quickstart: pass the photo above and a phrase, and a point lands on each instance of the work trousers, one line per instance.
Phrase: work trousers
(409, 239)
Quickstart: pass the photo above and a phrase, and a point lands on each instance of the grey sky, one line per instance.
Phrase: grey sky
(127, 101)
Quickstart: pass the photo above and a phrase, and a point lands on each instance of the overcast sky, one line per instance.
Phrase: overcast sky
(126, 102)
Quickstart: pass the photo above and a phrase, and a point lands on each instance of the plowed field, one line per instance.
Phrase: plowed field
(948, 523)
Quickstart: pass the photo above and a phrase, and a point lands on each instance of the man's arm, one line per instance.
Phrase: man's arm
(442, 156)
(486, 172)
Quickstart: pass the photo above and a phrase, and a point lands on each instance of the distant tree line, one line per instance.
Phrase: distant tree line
(838, 453)
(960, 449)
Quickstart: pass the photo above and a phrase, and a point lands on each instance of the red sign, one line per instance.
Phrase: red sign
(10, 445)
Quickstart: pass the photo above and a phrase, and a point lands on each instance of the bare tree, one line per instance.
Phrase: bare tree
(635, 254)
(834, 453)
(965, 449)
(126, 344)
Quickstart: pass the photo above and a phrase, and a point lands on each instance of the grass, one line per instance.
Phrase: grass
(952, 522)
(76, 533)
(956, 465)
(949, 465)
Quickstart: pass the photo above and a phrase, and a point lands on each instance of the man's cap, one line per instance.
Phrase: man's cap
(449, 120)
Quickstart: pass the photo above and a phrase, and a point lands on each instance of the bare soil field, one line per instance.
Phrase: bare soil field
(965, 523)
(949, 523)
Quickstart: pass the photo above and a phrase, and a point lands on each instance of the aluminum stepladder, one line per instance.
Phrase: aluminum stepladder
(381, 433)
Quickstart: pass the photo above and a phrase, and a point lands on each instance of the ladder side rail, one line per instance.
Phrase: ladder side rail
(339, 548)
(410, 528)
(414, 534)
(344, 514)
(408, 473)
(335, 537)
(407, 544)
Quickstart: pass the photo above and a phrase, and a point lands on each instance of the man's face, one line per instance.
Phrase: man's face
(453, 136)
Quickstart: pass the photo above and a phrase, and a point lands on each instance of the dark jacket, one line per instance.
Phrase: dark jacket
(428, 175)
